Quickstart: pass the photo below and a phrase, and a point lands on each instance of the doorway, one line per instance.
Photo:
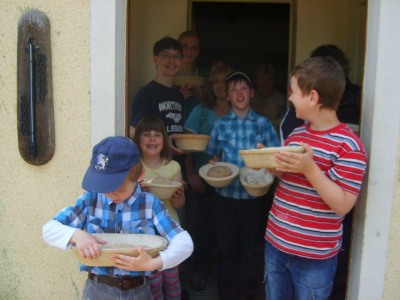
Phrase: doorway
(244, 35)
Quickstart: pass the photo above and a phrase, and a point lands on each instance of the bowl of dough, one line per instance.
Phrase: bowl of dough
(163, 187)
(256, 182)
(122, 243)
(191, 142)
(265, 157)
(219, 174)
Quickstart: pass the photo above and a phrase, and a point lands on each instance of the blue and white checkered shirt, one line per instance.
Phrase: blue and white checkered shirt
(141, 213)
(231, 134)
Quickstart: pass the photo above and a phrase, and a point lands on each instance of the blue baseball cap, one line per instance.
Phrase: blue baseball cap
(112, 160)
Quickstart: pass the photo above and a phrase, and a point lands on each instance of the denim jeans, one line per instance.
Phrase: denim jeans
(97, 291)
(293, 277)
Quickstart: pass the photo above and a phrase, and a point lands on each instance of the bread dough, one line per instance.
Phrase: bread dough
(255, 179)
(219, 172)
(162, 180)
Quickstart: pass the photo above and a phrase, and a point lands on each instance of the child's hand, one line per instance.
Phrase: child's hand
(143, 262)
(143, 185)
(87, 244)
(296, 162)
(178, 191)
(259, 146)
(187, 91)
(196, 183)
(174, 150)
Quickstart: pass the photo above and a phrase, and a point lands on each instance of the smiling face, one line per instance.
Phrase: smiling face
(239, 94)
(299, 101)
(151, 143)
(168, 62)
(218, 85)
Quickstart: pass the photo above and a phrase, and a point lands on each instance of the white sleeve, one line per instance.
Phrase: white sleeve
(179, 249)
(57, 235)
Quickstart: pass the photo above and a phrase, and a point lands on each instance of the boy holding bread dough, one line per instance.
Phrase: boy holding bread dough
(238, 216)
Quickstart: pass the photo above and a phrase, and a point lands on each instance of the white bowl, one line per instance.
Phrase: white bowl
(256, 182)
(191, 142)
(219, 182)
(163, 191)
(123, 243)
(265, 157)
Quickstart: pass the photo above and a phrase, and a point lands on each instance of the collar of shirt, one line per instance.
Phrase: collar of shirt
(251, 115)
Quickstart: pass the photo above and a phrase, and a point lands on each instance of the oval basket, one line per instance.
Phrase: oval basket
(191, 142)
(123, 243)
(265, 157)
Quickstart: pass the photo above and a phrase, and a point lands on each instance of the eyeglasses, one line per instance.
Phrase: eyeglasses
(165, 55)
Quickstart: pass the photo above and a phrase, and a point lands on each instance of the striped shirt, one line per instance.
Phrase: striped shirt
(300, 222)
(231, 134)
(141, 213)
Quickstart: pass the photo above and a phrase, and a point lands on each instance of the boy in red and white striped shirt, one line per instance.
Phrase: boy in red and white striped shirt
(317, 188)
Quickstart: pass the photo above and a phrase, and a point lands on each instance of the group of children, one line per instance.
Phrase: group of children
(303, 235)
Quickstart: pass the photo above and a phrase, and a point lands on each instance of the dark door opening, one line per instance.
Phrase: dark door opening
(244, 35)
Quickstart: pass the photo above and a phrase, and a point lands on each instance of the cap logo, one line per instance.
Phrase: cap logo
(102, 161)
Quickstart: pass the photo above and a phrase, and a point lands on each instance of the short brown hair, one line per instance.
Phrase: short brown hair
(324, 75)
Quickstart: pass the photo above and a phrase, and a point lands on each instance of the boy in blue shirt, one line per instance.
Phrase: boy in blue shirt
(238, 216)
(114, 203)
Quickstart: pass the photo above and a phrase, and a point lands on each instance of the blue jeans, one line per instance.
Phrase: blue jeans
(293, 277)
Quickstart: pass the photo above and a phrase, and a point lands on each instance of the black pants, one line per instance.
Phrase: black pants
(200, 224)
(238, 226)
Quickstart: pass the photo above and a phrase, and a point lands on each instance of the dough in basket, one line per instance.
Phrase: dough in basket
(219, 172)
(162, 180)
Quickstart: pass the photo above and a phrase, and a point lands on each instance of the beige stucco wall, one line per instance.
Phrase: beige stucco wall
(31, 195)
(392, 279)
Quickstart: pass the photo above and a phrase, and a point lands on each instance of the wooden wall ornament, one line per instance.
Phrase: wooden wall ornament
(35, 112)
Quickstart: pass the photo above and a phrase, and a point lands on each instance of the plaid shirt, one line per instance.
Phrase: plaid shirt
(141, 213)
(231, 134)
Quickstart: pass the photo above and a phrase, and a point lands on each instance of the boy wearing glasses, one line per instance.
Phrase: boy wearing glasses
(159, 97)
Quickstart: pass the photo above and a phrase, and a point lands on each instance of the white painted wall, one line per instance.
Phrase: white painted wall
(380, 134)
(107, 68)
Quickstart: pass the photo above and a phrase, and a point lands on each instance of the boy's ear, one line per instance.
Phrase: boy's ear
(314, 98)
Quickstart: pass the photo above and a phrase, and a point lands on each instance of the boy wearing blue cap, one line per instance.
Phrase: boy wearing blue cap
(114, 203)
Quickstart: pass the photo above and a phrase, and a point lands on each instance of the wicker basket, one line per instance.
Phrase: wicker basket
(256, 189)
(163, 191)
(219, 182)
(265, 157)
(191, 142)
(122, 243)
(188, 80)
